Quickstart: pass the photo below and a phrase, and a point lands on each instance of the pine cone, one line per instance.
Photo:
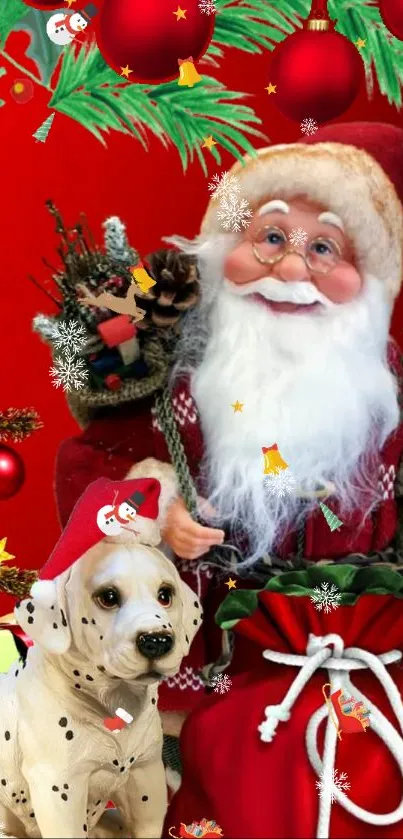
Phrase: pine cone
(177, 288)
(16, 581)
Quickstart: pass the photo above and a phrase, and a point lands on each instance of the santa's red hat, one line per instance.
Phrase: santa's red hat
(137, 522)
(355, 170)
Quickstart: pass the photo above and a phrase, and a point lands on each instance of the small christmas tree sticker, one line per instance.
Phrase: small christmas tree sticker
(332, 520)
(41, 135)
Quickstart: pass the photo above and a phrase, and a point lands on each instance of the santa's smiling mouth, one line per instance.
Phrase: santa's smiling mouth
(286, 308)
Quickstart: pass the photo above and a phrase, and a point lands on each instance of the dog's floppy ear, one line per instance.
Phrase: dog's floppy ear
(46, 622)
(192, 614)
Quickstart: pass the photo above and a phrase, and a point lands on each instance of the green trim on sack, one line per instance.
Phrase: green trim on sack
(352, 582)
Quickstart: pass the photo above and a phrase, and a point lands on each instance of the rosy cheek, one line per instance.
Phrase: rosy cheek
(341, 285)
(240, 266)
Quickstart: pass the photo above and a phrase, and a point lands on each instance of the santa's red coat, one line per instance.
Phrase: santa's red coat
(110, 446)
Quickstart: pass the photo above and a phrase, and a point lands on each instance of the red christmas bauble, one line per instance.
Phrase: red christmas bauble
(12, 472)
(147, 37)
(318, 75)
(392, 16)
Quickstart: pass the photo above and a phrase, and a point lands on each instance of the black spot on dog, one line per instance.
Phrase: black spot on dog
(76, 672)
(94, 813)
(63, 722)
(13, 795)
(115, 762)
(17, 800)
(196, 605)
(7, 735)
(144, 797)
(132, 759)
(195, 622)
(101, 637)
(93, 622)
(187, 639)
(98, 803)
(32, 815)
(55, 789)
(64, 622)
(84, 620)
(64, 796)
(4, 782)
(52, 608)
(16, 673)
(153, 700)
(85, 828)
(89, 678)
(65, 786)
(54, 626)
(30, 619)
(100, 668)
(69, 735)
(78, 687)
(23, 800)
(18, 604)
(122, 769)
(30, 608)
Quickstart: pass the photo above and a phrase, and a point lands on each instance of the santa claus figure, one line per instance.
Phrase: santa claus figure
(293, 326)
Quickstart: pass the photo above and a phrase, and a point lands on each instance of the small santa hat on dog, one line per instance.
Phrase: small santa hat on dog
(119, 511)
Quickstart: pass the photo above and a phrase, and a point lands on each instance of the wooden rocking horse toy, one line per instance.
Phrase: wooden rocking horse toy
(348, 715)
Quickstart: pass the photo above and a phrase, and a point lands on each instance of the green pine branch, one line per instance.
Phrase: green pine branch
(95, 96)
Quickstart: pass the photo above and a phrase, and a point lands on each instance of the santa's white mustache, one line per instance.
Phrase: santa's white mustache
(302, 293)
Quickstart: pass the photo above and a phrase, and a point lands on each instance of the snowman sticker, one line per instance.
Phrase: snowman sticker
(62, 29)
(112, 519)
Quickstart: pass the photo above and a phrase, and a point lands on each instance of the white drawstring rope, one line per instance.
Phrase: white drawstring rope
(338, 664)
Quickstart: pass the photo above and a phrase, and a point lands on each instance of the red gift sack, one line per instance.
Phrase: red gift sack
(266, 760)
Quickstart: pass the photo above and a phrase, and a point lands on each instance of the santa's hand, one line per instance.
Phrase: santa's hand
(186, 537)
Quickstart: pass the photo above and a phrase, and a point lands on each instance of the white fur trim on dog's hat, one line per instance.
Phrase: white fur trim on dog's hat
(346, 181)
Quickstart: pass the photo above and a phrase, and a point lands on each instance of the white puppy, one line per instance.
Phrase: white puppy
(122, 622)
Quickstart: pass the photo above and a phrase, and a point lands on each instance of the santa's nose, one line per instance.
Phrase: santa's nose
(292, 267)
(154, 644)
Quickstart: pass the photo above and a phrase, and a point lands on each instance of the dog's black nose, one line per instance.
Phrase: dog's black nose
(154, 644)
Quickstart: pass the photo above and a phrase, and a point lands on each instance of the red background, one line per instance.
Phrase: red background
(151, 194)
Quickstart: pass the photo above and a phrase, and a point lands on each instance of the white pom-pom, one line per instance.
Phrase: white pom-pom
(274, 715)
(44, 592)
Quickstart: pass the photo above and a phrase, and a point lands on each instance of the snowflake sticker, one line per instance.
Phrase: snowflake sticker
(207, 6)
(326, 597)
(224, 186)
(335, 782)
(69, 372)
(234, 213)
(280, 485)
(69, 336)
(309, 126)
(221, 683)
(298, 237)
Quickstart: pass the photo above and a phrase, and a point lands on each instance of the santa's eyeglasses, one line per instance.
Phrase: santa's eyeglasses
(320, 255)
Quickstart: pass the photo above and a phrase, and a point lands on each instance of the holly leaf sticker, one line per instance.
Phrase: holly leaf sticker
(10, 14)
(41, 50)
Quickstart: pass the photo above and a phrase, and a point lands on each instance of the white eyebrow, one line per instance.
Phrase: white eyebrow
(274, 206)
(331, 218)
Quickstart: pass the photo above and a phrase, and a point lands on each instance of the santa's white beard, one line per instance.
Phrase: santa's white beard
(317, 385)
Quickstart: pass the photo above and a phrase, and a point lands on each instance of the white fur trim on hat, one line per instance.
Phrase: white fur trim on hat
(44, 592)
(343, 179)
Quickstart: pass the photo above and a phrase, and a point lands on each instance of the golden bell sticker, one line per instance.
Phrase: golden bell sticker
(188, 75)
(273, 462)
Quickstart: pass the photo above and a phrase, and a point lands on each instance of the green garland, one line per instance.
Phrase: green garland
(88, 91)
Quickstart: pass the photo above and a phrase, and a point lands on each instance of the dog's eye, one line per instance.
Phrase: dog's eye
(165, 595)
(108, 598)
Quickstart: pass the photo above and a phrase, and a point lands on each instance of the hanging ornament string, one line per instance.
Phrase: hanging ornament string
(317, 71)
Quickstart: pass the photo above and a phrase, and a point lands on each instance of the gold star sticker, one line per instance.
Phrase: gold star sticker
(4, 556)
(237, 406)
(271, 88)
(360, 43)
(126, 71)
(180, 13)
(230, 583)
(209, 142)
